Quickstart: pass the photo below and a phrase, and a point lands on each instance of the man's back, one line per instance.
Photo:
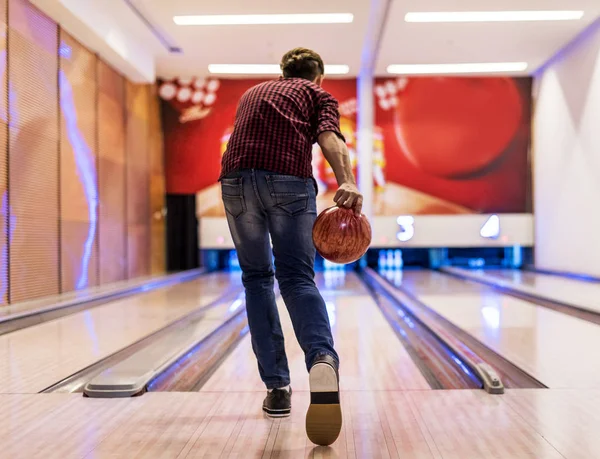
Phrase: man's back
(277, 122)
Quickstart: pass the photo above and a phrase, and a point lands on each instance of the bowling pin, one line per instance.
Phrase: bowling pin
(398, 278)
(390, 259)
(382, 260)
(398, 262)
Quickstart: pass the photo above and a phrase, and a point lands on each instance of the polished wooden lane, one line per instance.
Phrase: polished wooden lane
(473, 424)
(377, 424)
(371, 355)
(36, 357)
(553, 347)
(569, 419)
(49, 303)
(565, 290)
(387, 414)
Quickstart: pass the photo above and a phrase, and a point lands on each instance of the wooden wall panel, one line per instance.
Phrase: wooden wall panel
(33, 153)
(157, 188)
(112, 175)
(81, 164)
(138, 180)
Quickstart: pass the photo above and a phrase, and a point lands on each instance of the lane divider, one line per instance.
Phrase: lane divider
(77, 381)
(494, 369)
(460, 353)
(179, 359)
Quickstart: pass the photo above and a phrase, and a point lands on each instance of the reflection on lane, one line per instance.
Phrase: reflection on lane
(563, 289)
(549, 345)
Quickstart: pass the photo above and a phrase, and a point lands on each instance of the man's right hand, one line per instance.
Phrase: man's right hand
(348, 196)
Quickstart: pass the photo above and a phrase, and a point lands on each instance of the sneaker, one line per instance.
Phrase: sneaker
(278, 403)
(324, 416)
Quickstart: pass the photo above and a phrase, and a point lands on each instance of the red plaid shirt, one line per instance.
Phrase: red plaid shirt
(276, 125)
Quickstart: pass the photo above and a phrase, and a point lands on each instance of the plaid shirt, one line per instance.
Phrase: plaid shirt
(276, 124)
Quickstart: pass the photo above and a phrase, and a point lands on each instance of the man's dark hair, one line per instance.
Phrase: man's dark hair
(302, 63)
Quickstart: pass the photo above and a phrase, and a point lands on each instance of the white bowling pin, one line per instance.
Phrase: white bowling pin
(382, 260)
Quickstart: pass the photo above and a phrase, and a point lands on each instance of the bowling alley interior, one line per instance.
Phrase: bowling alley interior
(468, 329)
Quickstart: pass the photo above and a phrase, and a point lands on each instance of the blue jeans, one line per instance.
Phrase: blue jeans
(259, 204)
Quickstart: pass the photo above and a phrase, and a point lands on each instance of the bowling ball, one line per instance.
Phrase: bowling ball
(452, 127)
(341, 236)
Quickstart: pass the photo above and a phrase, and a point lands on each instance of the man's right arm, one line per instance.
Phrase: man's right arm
(336, 153)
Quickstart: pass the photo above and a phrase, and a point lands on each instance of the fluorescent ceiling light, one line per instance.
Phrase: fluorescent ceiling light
(493, 16)
(429, 69)
(266, 69)
(240, 19)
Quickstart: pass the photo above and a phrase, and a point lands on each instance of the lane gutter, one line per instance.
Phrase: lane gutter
(492, 369)
(179, 362)
(77, 381)
(442, 365)
(511, 375)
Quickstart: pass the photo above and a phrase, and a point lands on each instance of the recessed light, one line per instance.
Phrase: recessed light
(254, 19)
(266, 69)
(429, 69)
(493, 16)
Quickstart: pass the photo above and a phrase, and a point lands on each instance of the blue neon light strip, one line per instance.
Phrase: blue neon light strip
(11, 118)
(84, 158)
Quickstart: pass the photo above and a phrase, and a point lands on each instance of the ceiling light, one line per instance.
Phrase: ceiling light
(241, 19)
(429, 69)
(493, 16)
(266, 69)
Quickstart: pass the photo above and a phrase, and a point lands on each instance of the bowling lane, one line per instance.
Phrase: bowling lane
(555, 348)
(554, 288)
(372, 357)
(39, 356)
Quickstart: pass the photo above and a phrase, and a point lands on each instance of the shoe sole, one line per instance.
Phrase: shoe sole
(277, 413)
(324, 416)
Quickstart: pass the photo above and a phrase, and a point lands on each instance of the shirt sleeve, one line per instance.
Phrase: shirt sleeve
(328, 115)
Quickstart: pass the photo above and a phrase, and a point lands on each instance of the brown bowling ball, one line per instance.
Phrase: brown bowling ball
(341, 236)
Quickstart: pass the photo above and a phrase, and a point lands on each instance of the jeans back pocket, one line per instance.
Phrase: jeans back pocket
(289, 193)
(232, 192)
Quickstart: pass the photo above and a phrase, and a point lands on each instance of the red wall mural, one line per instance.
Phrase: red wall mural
(464, 141)
(441, 145)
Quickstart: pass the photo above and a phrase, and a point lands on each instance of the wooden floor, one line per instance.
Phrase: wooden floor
(388, 410)
(377, 424)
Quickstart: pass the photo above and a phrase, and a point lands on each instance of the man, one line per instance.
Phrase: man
(268, 189)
